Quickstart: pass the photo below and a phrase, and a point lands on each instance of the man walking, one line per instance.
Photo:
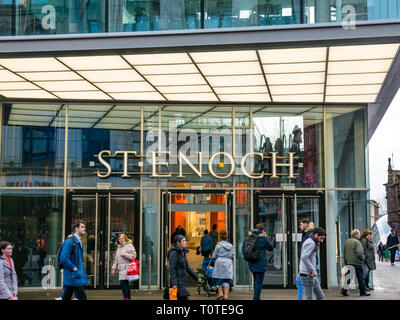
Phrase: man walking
(71, 257)
(392, 244)
(258, 267)
(354, 256)
(306, 228)
(214, 236)
(308, 264)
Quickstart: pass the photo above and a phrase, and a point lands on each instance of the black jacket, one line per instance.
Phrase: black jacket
(392, 240)
(178, 267)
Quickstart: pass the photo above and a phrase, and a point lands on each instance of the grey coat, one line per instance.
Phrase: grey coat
(369, 253)
(223, 253)
(308, 258)
(121, 263)
(353, 252)
(8, 279)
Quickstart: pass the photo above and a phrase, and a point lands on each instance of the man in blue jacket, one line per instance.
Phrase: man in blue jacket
(72, 259)
(259, 267)
(393, 243)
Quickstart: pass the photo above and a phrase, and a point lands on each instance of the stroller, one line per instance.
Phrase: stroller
(208, 282)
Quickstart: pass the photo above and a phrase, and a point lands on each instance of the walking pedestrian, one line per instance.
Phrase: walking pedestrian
(354, 256)
(306, 228)
(308, 264)
(258, 267)
(71, 257)
(8, 275)
(381, 251)
(179, 266)
(223, 268)
(125, 253)
(206, 245)
(392, 244)
(369, 253)
(214, 235)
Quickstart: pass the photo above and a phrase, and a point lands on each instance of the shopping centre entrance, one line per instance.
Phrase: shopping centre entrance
(281, 212)
(107, 214)
(190, 213)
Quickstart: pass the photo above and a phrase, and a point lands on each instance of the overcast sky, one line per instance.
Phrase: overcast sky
(384, 143)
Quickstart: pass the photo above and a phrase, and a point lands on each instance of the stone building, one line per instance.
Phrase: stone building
(392, 196)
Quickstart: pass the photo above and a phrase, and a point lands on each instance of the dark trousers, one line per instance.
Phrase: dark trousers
(182, 298)
(258, 283)
(366, 279)
(126, 289)
(79, 293)
(392, 254)
(360, 279)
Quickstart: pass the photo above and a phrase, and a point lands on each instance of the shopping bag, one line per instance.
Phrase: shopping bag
(132, 273)
(173, 293)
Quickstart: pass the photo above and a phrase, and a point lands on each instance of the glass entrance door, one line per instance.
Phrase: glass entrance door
(281, 215)
(107, 215)
(190, 214)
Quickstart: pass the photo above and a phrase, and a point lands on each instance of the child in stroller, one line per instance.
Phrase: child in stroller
(208, 282)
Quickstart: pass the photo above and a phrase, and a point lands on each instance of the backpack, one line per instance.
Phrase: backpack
(59, 263)
(250, 249)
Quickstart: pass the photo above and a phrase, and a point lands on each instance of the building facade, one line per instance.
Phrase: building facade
(149, 117)
(392, 197)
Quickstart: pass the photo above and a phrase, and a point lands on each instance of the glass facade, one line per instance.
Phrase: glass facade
(96, 16)
(51, 150)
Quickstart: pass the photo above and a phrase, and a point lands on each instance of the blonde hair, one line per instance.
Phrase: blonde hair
(354, 232)
(123, 235)
(223, 235)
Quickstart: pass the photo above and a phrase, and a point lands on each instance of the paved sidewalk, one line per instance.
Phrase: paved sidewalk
(386, 283)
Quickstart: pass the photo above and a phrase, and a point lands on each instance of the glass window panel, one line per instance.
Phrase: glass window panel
(32, 147)
(49, 17)
(128, 15)
(87, 137)
(5, 17)
(32, 222)
(289, 129)
(346, 138)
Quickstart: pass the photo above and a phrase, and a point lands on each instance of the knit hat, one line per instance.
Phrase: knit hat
(179, 238)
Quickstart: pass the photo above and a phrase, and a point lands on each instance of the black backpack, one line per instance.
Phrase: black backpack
(60, 265)
(250, 249)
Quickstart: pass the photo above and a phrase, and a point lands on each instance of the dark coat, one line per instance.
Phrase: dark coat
(178, 267)
(72, 278)
(263, 244)
(353, 252)
(369, 253)
(392, 240)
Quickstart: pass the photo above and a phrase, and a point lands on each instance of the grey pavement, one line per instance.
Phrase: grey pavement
(386, 283)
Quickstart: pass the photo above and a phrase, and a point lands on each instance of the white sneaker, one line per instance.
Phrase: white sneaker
(74, 298)
(59, 298)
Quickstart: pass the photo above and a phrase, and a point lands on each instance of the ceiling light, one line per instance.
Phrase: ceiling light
(293, 55)
(294, 67)
(111, 75)
(298, 78)
(353, 90)
(224, 56)
(163, 58)
(78, 85)
(297, 89)
(376, 51)
(47, 76)
(245, 97)
(235, 81)
(33, 64)
(167, 69)
(6, 76)
(359, 66)
(134, 86)
(137, 96)
(184, 79)
(234, 68)
(39, 94)
(95, 62)
(192, 97)
(352, 98)
(90, 95)
(350, 79)
(299, 98)
(235, 90)
(17, 86)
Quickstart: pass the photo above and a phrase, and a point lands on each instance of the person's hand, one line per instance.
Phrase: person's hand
(15, 297)
(113, 272)
(174, 287)
(313, 274)
(199, 280)
(123, 255)
(74, 269)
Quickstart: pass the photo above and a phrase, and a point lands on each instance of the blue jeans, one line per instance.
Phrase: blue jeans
(126, 289)
(258, 283)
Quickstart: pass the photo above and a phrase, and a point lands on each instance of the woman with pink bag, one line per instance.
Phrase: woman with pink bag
(125, 253)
